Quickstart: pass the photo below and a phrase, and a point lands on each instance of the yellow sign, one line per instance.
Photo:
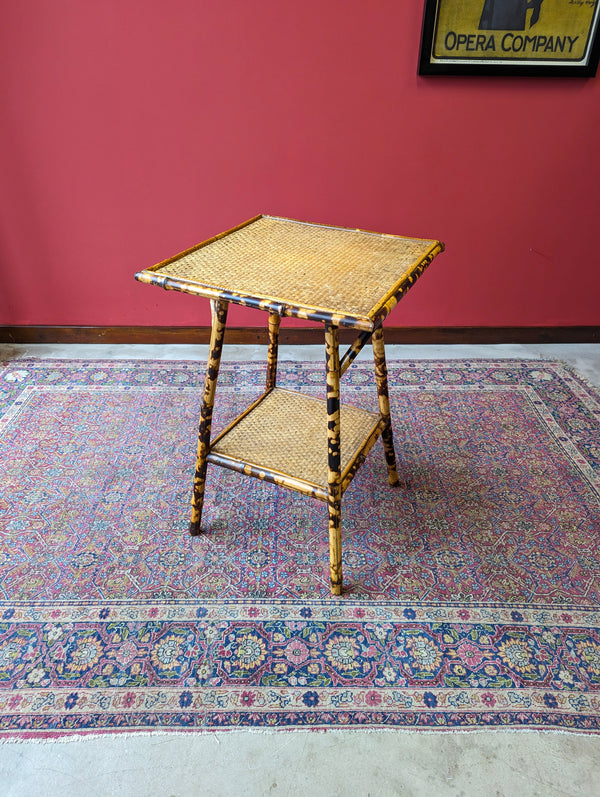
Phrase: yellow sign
(525, 31)
(532, 29)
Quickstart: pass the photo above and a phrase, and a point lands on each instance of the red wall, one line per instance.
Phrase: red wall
(133, 129)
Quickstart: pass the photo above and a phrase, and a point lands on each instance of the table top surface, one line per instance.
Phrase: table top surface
(343, 276)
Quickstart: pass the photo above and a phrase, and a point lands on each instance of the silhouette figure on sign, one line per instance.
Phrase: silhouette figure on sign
(509, 14)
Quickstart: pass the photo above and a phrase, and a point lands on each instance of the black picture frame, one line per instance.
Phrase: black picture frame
(513, 51)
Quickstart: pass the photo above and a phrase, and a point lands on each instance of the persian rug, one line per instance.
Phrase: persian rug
(472, 591)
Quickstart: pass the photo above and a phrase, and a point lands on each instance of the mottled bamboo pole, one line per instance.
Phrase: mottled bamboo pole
(353, 352)
(219, 319)
(334, 481)
(274, 321)
(384, 405)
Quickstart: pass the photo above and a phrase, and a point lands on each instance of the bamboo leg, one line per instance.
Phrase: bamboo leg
(384, 405)
(219, 318)
(274, 321)
(334, 483)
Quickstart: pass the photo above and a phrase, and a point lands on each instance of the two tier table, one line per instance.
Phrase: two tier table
(337, 276)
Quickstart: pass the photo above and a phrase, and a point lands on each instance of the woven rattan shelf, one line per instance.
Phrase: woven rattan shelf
(283, 439)
(338, 276)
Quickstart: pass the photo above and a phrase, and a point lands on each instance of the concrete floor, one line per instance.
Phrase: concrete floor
(357, 763)
(584, 357)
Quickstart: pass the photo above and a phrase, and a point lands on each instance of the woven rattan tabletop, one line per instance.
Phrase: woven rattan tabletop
(344, 276)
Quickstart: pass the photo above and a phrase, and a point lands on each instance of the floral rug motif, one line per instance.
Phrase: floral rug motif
(472, 591)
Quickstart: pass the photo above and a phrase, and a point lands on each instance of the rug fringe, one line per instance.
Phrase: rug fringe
(127, 735)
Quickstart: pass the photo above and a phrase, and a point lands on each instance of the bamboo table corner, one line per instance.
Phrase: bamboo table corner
(337, 276)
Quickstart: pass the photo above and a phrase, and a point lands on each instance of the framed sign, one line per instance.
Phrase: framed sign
(510, 37)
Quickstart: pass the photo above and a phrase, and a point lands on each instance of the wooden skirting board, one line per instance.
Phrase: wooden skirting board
(295, 335)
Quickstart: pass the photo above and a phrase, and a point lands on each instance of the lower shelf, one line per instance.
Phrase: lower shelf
(282, 438)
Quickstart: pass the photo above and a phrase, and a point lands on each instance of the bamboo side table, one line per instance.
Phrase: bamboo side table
(338, 276)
